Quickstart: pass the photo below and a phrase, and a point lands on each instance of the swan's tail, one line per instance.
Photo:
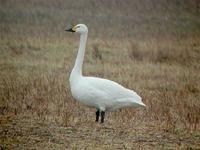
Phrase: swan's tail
(139, 101)
(142, 104)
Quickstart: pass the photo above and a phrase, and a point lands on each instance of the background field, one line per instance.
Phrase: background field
(151, 46)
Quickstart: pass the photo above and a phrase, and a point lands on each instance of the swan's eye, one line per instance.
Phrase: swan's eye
(78, 27)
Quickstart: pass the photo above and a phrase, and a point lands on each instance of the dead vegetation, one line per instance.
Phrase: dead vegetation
(158, 58)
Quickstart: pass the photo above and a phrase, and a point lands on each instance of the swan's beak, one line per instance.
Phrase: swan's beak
(70, 30)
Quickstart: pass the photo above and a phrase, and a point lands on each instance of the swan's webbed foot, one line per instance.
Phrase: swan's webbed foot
(102, 116)
(97, 115)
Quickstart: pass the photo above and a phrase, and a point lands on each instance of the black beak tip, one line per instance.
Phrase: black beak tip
(69, 30)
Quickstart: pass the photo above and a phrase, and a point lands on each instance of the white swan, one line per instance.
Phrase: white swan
(103, 94)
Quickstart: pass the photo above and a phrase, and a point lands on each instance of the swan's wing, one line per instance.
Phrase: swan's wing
(104, 94)
(112, 89)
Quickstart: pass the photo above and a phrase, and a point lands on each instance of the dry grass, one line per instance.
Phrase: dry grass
(37, 88)
(36, 107)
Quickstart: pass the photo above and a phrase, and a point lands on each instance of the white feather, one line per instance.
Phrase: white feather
(104, 94)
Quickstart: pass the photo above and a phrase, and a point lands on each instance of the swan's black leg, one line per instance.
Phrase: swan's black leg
(102, 116)
(97, 115)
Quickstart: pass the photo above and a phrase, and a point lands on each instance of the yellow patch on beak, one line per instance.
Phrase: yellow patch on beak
(74, 28)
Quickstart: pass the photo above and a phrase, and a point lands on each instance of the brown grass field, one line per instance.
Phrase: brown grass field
(152, 47)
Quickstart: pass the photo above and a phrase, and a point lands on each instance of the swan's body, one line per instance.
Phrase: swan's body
(103, 94)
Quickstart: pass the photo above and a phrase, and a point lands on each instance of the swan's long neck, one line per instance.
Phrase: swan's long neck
(80, 56)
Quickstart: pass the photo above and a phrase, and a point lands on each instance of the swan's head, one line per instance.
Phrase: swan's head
(79, 28)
